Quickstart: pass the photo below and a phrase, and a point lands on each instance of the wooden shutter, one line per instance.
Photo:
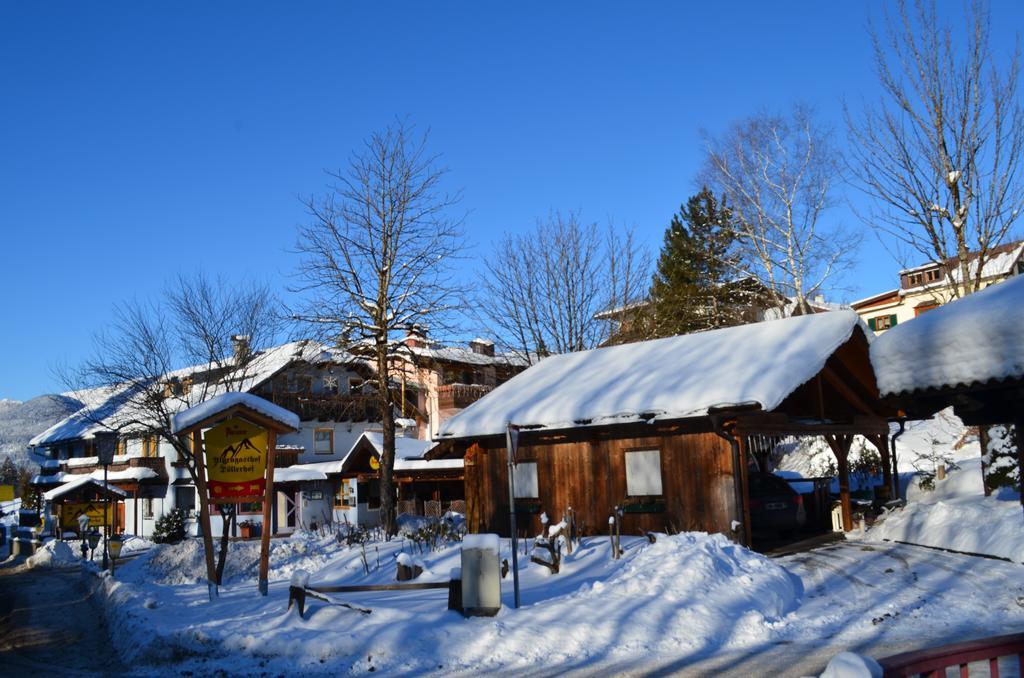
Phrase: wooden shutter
(871, 324)
(892, 321)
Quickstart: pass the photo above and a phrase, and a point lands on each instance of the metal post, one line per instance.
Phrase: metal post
(511, 441)
(106, 516)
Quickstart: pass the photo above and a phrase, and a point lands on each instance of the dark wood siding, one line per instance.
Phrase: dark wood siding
(590, 477)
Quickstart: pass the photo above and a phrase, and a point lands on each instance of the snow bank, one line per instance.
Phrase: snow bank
(685, 596)
(957, 515)
(974, 339)
(667, 378)
(53, 554)
(481, 542)
(850, 665)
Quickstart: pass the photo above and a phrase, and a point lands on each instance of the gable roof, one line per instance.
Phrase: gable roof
(975, 339)
(409, 453)
(111, 410)
(671, 378)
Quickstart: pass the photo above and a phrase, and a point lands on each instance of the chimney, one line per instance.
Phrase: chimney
(416, 337)
(241, 345)
(482, 347)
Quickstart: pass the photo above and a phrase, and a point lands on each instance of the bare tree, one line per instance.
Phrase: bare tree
(543, 290)
(940, 151)
(158, 359)
(779, 172)
(378, 258)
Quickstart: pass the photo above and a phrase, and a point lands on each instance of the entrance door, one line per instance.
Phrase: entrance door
(291, 513)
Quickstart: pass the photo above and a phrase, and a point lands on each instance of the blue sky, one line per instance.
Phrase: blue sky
(139, 141)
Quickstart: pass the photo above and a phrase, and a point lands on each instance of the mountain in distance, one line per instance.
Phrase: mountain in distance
(20, 421)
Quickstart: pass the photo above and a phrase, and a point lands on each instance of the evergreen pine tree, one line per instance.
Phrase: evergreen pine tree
(693, 287)
(8, 472)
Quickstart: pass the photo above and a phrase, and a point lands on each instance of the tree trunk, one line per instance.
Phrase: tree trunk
(388, 517)
(228, 513)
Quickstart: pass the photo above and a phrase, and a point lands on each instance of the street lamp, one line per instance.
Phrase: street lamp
(94, 540)
(106, 445)
(83, 529)
(114, 545)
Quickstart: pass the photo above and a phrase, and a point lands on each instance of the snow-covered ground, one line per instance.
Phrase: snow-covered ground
(957, 515)
(681, 602)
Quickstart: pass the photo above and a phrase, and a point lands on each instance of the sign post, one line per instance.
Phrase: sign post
(233, 446)
(106, 445)
(511, 446)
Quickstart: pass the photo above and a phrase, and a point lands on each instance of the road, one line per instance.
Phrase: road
(49, 625)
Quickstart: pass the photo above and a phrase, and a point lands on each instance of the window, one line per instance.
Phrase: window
(924, 308)
(882, 322)
(122, 447)
(344, 499)
(355, 385)
(150, 445)
(250, 507)
(147, 507)
(303, 383)
(323, 441)
(369, 493)
(643, 473)
(524, 477)
(185, 499)
(932, 275)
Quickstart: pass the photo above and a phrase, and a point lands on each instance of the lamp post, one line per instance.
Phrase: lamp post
(94, 540)
(83, 529)
(106, 444)
(114, 545)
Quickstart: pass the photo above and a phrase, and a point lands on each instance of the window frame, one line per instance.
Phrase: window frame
(323, 430)
(661, 473)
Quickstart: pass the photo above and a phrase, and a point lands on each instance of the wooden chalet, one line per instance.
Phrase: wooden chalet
(666, 429)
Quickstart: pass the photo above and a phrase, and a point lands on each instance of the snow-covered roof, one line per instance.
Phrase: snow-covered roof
(79, 482)
(224, 401)
(117, 407)
(669, 378)
(405, 448)
(975, 339)
(999, 263)
(409, 452)
(296, 473)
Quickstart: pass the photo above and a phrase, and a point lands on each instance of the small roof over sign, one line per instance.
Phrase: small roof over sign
(206, 412)
(79, 483)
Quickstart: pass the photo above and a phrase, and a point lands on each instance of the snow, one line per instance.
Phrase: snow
(669, 378)
(851, 665)
(699, 592)
(203, 411)
(53, 554)
(80, 481)
(971, 340)
(957, 515)
(408, 452)
(297, 473)
(481, 542)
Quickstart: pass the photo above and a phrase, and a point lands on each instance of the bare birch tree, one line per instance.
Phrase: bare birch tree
(779, 173)
(158, 359)
(940, 152)
(542, 290)
(378, 258)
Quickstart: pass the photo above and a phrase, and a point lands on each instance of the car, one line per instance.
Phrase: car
(774, 505)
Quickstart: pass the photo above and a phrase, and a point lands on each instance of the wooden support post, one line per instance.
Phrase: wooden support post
(267, 498)
(204, 513)
(840, 445)
(881, 443)
(748, 535)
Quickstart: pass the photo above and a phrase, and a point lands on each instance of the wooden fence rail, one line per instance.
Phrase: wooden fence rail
(933, 662)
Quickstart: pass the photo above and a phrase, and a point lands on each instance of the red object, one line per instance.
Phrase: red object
(249, 488)
(799, 500)
(934, 661)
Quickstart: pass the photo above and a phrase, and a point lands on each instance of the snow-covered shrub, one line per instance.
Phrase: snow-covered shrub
(432, 534)
(170, 527)
(1001, 459)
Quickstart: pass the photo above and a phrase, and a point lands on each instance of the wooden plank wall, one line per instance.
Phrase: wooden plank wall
(590, 476)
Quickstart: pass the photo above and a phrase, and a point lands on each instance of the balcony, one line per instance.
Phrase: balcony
(348, 407)
(459, 396)
(121, 463)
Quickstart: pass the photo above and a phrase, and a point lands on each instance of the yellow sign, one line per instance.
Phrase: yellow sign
(6, 492)
(94, 509)
(236, 459)
(374, 463)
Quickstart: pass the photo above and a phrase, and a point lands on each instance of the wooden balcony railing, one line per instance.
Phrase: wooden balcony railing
(155, 463)
(325, 407)
(934, 661)
(458, 396)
